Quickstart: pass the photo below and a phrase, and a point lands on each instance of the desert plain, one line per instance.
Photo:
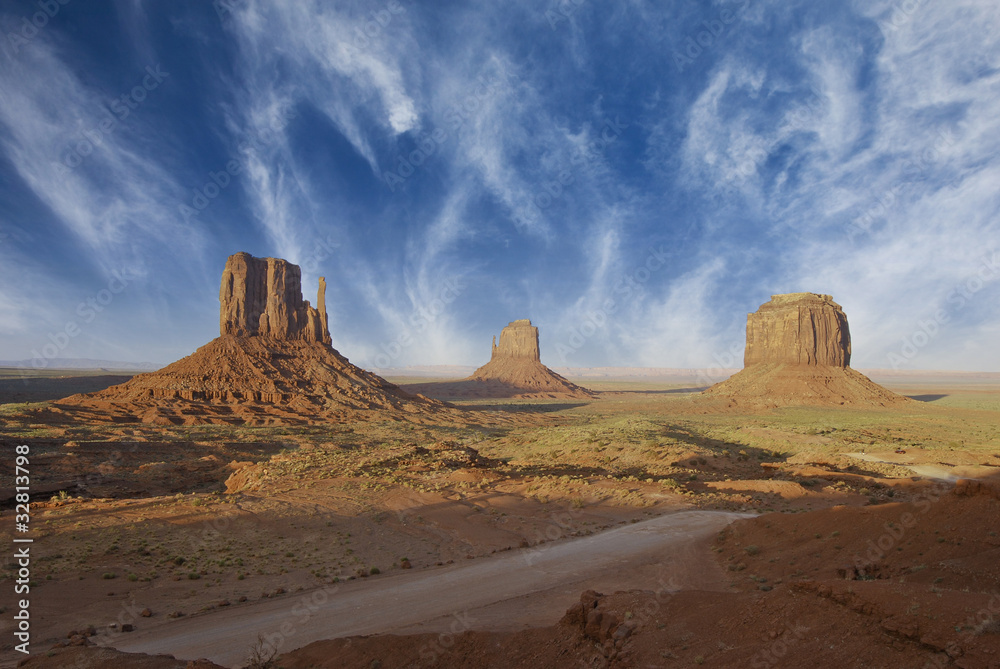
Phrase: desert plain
(196, 527)
(265, 503)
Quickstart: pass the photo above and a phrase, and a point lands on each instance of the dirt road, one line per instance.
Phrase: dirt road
(514, 589)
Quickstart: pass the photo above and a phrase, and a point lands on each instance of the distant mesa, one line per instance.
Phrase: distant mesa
(798, 352)
(515, 370)
(272, 364)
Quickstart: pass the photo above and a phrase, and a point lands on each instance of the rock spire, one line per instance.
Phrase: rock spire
(263, 297)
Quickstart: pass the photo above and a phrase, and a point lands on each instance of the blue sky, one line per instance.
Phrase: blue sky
(633, 176)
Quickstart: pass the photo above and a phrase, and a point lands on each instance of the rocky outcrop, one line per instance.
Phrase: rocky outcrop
(798, 329)
(263, 297)
(273, 364)
(518, 341)
(798, 352)
(599, 626)
(515, 368)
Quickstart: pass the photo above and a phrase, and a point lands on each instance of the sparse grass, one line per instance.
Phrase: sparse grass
(579, 457)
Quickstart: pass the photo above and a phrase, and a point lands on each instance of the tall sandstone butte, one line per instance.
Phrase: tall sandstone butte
(519, 340)
(272, 363)
(263, 297)
(515, 368)
(798, 329)
(798, 351)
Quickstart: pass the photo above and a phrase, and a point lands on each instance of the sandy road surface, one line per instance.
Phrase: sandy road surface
(937, 472)
(453, 593)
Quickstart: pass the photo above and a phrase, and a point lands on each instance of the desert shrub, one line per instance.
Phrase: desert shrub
(261, 655)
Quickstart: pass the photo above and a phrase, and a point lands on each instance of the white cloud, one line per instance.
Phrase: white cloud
(892, 146)
(118, 199)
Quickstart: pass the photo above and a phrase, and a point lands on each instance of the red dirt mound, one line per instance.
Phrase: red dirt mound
(798, 352)
(272, 364)
(86, 657)
(246, 380)
(915, 584)
(776, 385)
(515, 370)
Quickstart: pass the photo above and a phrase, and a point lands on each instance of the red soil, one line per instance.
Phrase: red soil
(245, 380)
(775, 385)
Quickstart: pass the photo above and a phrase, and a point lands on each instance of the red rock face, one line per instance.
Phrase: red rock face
(515, 368)
(798, 353)
(798, 329)
(518, 341)
(263, 297)
(273, 364)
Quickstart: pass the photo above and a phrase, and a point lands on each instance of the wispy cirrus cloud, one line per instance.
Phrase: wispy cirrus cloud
(113, 193)
(835, 147)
